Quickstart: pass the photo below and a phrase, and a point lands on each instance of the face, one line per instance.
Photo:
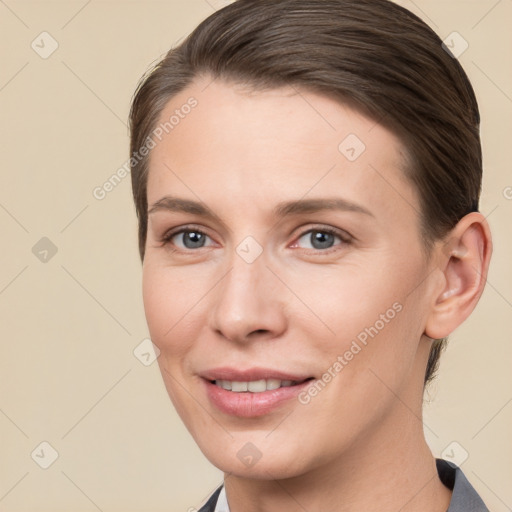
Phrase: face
(283, 245)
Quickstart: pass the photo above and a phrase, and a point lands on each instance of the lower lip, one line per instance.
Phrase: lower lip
(250, 405)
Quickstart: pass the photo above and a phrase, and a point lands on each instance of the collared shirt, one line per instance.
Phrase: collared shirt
(464, 496)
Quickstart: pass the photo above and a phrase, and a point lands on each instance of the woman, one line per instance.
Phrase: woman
(306, 175)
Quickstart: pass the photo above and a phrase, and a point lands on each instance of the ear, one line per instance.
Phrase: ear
(464, 258)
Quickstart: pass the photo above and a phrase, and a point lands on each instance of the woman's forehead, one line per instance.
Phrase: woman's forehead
(272, 141)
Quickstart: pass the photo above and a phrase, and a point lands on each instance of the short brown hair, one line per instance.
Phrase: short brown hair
(372, 54)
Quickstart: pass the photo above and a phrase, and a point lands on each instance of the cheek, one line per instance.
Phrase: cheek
(350, 299)
(371, 313)
(156, 304)
(166, 315)
(165, 306)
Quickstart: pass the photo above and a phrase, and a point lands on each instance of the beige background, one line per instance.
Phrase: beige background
(70, 325)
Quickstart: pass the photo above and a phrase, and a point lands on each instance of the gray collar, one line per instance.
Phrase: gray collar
(464, 497)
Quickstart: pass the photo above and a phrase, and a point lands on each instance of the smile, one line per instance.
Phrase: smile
(255, 386)
(252, 392)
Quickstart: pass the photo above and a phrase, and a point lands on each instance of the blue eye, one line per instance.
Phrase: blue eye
(190, 238)
(193, 239)
(321, 239)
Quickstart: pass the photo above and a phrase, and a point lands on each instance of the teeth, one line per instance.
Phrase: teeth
(255, 386)
(273, 384)
(238, 386)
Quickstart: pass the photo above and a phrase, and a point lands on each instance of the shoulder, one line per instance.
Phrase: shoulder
(464, 496)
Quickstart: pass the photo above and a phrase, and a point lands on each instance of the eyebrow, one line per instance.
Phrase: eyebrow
(283, 209)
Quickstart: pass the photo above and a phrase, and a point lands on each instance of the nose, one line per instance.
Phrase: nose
(248, 302)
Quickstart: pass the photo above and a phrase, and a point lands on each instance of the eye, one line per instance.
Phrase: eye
(322, 238)
(186, 239)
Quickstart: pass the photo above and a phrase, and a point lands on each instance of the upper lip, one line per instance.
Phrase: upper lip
(250, 374)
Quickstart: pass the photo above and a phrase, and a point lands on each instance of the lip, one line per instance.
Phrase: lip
(250, 374)
(247, 404)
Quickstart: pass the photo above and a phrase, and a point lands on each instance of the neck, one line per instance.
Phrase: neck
(392, 469)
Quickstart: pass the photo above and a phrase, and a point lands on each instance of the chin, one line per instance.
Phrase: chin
(255, 456)
(277, 468)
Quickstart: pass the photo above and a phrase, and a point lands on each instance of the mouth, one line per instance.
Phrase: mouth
(251, 393)
(257, 386)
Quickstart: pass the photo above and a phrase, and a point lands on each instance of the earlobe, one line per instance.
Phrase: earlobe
(464, 261)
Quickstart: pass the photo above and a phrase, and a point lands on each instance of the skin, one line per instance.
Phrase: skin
(359, 444)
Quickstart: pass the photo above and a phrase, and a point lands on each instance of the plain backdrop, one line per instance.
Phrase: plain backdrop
(71, 312)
